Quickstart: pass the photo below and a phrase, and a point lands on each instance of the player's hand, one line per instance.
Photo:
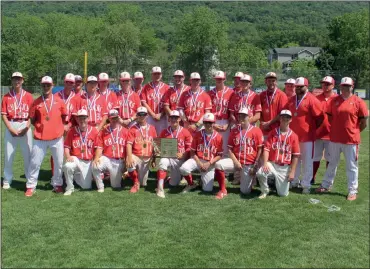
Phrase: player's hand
(290, 177)
(265, 125)
(157, 117)
(96, 162)
(14, 132)
(186, 124)
(180, 155)
(200, 164)
(152, 163)
(130, 162)
(23, 131)
(238, 165)
(126, 122)
(66, 128)
(193, 127)
(265, 169)
(206, 166)
(252, 171)
(70, 159)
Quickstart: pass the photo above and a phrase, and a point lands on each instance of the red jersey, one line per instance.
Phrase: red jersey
(250, 100)
(183, 136)
(69, 101)
(282, 147)
(346, 115)
(305, 116)
(324, 129)
(47, 117)
(110, 99)
(95, 106)
(113, 142)
(137, 90)
(128, 103)
(16, 106)
(173, 95)
(220, 102)
(272, 104)
(207, 147)
(153, 96)
(245, 143)
(141, 139)
(195, 104)
(81, 144)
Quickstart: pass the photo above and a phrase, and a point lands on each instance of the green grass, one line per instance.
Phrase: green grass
(116, 229)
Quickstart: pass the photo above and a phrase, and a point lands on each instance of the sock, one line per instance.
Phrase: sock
(316, 166)
(52, 165)
(327, 164)
(220, 177)
(189, 179)
(161, 175)
(134, 176)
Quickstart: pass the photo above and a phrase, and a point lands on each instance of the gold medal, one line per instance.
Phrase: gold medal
(205, 154)
(144, 146)
(114, 148)
(218, 108)
(281, 151)
(82, 151)
(194, 109)
(47, 118)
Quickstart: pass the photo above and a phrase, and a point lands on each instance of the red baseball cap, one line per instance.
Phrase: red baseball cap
(301, 81)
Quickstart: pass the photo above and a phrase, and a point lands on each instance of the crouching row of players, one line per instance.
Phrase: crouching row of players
(89, 154)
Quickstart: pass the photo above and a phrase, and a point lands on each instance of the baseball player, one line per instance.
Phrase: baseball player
(184, 140)
(94, 103)
(322, 133)
(273, 101)
(237, 77)
(79, 148)
(307, 116)
(280, 157)
(48, 114)
(172, 97)
(140, 149)
(220, 97)
(78, 85)
(290, 87)
(348, 115)
(206, 150)
(109, 95)
(245, 147)
(128, 101)
(110, 152)
(193, 104)
(138, 82)
(14, 109)
(152, 99)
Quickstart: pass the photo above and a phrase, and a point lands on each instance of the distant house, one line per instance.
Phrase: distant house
(287, 55)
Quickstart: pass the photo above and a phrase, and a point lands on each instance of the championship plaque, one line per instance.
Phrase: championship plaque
(165, 147)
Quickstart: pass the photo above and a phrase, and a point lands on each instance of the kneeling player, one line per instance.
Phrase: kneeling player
(184, 140)
(110, 152)
(79, 151)
(206, 150)
(280, 157)
(245, 147)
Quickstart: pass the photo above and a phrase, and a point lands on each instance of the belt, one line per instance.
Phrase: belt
(281, 164)
(117, 159)
(17, 120)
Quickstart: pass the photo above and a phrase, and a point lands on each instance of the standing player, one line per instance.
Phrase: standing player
(184, 140)
(110, 152)
(140, 149)
(14, 110)
(290, 87)
(193, 104)
(128, 101)
(220, 97)
(348, 115)
(48, 114)
(152, 99)
(79, 148)
(322, 133)
(237, 77)
(245, 147)
(173, 95)
(273, 101)
(78, 85)
(307, 116)
(109, 95)
(94, 103)
(280, 157)
(206, 150)
(138, 82)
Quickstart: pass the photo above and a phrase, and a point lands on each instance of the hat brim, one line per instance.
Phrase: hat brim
(270, 77)
(113, 117)
(103, 80)
(69, 80)
(125, 79)
(92, 81)
(138, 77)
(345, 84)
(82, 116)
(285, 114)
(300, 85)
(156, 72)
(17, 77)
(209, 121)
(219, 78)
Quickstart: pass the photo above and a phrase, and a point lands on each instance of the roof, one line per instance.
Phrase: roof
(296, 50)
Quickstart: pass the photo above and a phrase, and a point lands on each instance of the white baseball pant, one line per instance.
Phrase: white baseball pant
(115, 169)
(225, 137)
(142, 168)
(37, 156)
(350, 154)
(206, 177)
(227, 165)
(320, 146)
(10, 146)
(173, 166)
(306, 160)
(158, 125)
(281, 178)
(79, 171)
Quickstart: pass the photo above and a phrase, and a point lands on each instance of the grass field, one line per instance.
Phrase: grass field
(116, 229)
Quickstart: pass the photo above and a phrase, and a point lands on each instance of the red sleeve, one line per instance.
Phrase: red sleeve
(29, 99)
(220, 150)
(99, 140)
(137, 101)
(33, 110)
(163, 134)
(283, 104)
(104, 110)
(131, 135)
(259, 137)
(232, 101)
(188, 140)
(143, 94)
(295, 145)
(3, 107)
(63, 109)
(194, 143)
(166, 98)
(68, 140)
(269, 140)
(316, 107)
(181, 103)
(115, 100)
(257, 103)
(207, 102)
(363, 112)
(230, 141)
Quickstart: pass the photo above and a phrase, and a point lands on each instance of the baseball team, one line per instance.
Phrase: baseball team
(274, 139)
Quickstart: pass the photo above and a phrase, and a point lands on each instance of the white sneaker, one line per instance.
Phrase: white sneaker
(189, 188)
(6, 186)
(306, 191)
(293, 185)
(262, 196)
(183, 182)
(160, 193)
(101, 190)
(69, 192)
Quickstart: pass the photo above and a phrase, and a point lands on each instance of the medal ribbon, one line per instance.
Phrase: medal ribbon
(83, 139)
(244, 100)
(69, 97)
(125, 103)
(207, 144)
(91, 105)
(269, 101)
(243, 139)
(179, 129)
(219, 100)
(157, 94)
(51, 104)
(17, 103)
(279, 144)
(297, 104)
(106, 94)
(147, 132)
(116, 139)
(194, 101)
(179, 94)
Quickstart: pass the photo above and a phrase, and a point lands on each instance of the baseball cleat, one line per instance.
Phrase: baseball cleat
(262, 196)
(69, 192)
(235, 182)
(29, 192)
(6, 186)
(160, 193)
(58, 189)
(221, 194)
(189, 188)
(135, 188)
(101, 190)
(183, 182)
(322, 190)
(352, 197)
(306, 191)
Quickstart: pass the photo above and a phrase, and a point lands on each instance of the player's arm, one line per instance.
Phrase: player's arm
(363, 123)
(12, 131)
(67, 154)
(256, 117)
(293, 166)
(265, 158)
(129, 161)
(167, 109)
(25, 129)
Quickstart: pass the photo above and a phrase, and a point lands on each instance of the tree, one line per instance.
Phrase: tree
(307, 69)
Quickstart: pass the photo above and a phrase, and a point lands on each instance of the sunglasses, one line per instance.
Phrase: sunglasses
(142, 114)
(174, 117)
(46, 85)
(207, 122)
